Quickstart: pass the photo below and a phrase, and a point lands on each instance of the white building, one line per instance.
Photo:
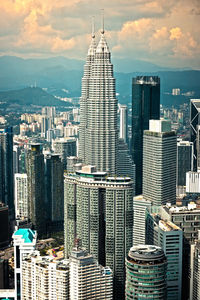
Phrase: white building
(44, 278)
(88, 279)
(24, 243)
(140, 207)
(21, 196)
(193, 182)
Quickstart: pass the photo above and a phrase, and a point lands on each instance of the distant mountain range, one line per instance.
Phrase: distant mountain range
(62, 77)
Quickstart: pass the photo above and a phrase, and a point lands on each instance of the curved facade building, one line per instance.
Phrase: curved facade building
(146, 267)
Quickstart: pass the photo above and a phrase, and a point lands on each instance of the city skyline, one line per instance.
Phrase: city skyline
(154, 31)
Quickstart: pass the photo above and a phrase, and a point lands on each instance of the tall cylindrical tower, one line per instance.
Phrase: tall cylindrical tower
(146, 267)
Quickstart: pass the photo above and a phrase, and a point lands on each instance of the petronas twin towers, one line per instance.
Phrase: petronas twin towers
(98, 109)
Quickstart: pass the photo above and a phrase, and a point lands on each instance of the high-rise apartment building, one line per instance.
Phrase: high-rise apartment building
(159, 163)
(44, 277)
(146, 268)
(88, 279)
(194, 127)
(184, 161)
(36, 188)
(99, 211)
(6, 169)
(169, 237)
(123, 128)
(21, 196)
(24, 243)
(98, 110)
(54, 181)
(145, 106)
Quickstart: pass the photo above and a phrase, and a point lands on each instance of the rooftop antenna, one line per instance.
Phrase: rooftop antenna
(93, 27)
(102, 21)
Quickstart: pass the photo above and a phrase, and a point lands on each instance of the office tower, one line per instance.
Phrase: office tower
(16, 154)
(49, 111)
(65, 147)
(99, 211)
(159, 163)
(88, 279)
(24, 243)
(4, 225)
(169, 237)
(184, 161)
(6, 169)
(54, 181)
(36, 188)
(125, 165)
(21, 196)
(4, 274)
(44, 277)
(50, 135)
(44, 126)
(194, 122)
(22, 161)
(123, 129)
(193, 182)
(146, 268)
(188, 219)
(145, 106)
(140, 208)
(98, 110)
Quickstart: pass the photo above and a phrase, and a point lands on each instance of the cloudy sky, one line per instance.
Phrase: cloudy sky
(165, 32)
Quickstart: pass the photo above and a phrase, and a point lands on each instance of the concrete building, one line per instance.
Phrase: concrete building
(145, 106)
(36, 188)
(98, 110)
(169, 237)
(65, 147)
(24, 243)
(188, 219)
(21, 196)
(159, 163)
(99, 211)
(193, 182)
(140, 208)
(88, 279)
(44, 278)
(146, 269)
(123, 128)
(195, 271)
(184, 161)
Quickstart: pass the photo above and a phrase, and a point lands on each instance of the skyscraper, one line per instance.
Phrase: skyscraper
(6, 169)
(98, 109)
(184, 161)
(159, 163)
(123, 129)
(194, 128)
(36, 188)
(145, 106)
(146, 268)
(99, 211)
(21, 196)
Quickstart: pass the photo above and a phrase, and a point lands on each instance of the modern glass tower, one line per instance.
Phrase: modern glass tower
(145, 106)
(98, 109)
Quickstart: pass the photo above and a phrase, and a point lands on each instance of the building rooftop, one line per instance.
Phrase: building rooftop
(146, 252)
(168, 226)
(27, 234)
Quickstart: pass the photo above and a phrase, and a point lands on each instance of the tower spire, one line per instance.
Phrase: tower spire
(93, 28)
(102, 21)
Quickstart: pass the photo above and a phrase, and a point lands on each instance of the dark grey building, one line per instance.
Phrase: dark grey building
(4, 274)
(194, 122)
(54, 191)
(36, 188)
(184, 161)
(65, 147)
(145, 106)
(4, 225)
(6, 169)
